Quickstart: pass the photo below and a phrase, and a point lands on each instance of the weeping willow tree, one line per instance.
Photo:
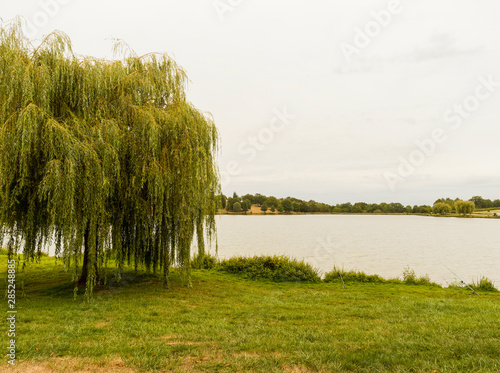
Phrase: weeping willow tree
(106, 160)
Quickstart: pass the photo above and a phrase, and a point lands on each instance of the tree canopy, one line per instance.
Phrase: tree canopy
(441, 208)
(465, 207)
(103, 158)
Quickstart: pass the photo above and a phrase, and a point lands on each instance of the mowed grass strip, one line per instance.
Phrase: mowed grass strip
(226, 323)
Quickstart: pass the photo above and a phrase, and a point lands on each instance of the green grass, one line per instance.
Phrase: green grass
(226, 323)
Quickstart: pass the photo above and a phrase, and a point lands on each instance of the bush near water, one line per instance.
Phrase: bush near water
(274, 268)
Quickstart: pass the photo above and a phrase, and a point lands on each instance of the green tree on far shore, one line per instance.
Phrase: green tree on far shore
(464, 207)
(246, 205)
(223, 201)
(230, 203)
(441, 208)
(287, 205)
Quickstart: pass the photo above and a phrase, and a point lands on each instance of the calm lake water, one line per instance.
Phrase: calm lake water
(378, 244)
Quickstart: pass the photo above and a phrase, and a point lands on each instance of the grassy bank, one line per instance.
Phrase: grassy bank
(227, 323)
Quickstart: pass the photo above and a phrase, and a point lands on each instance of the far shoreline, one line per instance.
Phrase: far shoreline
(276, 213)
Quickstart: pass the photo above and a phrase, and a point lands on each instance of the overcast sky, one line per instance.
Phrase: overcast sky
(328, 100)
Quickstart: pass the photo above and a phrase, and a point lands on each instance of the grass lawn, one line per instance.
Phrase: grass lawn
(228, 324)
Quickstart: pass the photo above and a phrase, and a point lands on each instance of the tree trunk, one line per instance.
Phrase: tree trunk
(86, 252)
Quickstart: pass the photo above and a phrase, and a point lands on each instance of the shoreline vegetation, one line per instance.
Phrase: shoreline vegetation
(258, 204)
(255, 314)
(281, 268)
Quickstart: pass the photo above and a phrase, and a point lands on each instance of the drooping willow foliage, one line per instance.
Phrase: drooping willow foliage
(103, 158)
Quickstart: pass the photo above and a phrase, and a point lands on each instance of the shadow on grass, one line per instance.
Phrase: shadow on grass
(66, 289)
(61, 290)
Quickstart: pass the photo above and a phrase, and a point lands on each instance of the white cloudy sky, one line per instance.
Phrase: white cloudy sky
(354, 121)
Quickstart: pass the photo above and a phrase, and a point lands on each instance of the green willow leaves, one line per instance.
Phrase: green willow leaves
(104, 156)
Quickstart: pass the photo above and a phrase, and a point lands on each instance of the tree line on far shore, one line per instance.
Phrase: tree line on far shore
(442, 206)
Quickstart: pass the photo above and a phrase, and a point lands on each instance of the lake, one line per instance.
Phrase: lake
(375, 244)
